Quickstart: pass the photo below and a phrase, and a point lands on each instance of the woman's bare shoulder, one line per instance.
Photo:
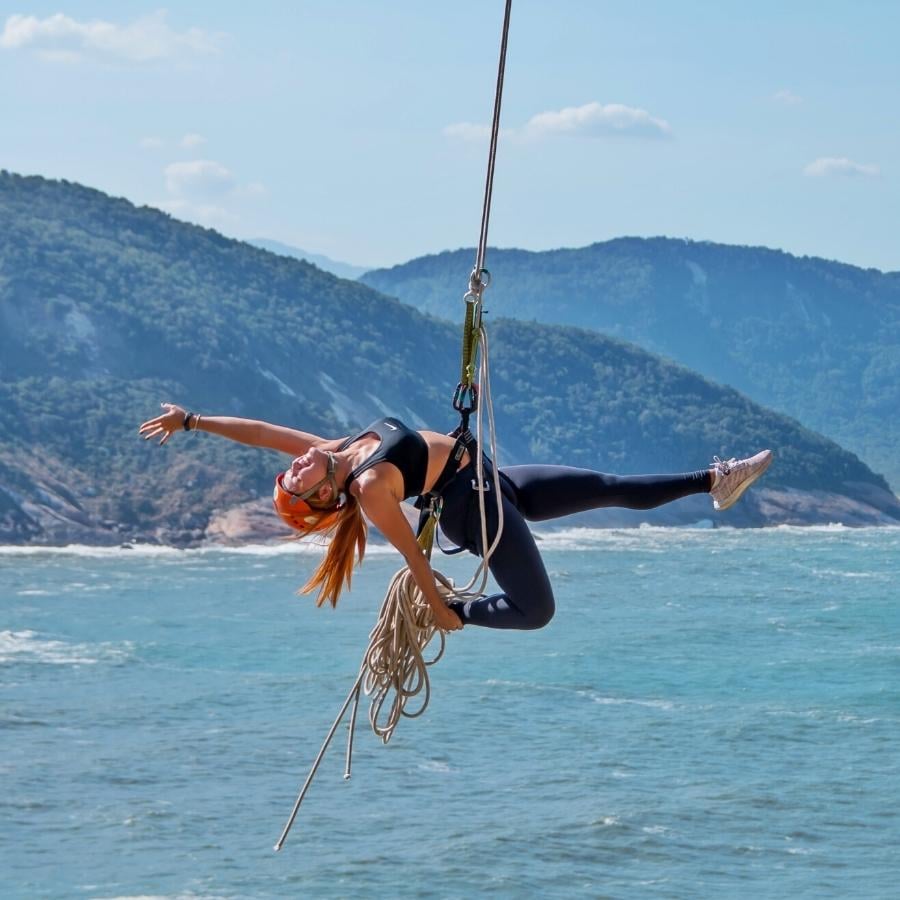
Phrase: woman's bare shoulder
(437, 439)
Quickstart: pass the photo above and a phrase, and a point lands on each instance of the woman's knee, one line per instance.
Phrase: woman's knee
(538, 612)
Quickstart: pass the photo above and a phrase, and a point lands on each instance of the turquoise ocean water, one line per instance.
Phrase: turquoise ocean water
(712, 713)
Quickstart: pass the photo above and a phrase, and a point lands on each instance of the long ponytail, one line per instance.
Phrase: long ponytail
(347, 547)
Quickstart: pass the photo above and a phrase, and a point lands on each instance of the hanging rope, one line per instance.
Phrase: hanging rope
(480, 277)
(394, 670)
(393, 664)
(492, 152)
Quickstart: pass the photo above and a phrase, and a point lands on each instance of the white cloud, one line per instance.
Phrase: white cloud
(593, 120)
(598, 120)
(839, 165)
(62, 38)
(199, 178)
(189, 141)
(787, 98)
(152, 143)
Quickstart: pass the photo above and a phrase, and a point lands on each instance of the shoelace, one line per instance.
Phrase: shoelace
(724, 465)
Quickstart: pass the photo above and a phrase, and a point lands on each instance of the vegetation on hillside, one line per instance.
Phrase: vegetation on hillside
(107, 309)
(815, 339)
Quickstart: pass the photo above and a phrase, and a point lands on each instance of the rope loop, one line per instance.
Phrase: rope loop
(394, 665)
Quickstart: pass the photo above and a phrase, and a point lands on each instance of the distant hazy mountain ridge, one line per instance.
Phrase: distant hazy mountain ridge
(107, 309)
(818, 340)
(341, 269)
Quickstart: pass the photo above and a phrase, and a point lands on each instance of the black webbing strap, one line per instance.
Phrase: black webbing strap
(428, 503)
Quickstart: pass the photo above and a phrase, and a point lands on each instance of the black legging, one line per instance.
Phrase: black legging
(538, 493)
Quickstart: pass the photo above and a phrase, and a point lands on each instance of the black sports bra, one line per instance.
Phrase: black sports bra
(400, 446)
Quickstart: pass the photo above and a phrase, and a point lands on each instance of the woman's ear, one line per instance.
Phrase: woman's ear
(326, 494)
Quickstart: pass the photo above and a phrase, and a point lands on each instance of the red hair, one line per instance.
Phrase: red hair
(347, 547)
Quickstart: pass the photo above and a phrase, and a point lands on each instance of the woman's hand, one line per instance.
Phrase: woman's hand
(445, 618)
(170, 421)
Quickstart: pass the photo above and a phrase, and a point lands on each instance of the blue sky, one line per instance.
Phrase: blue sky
(356, 129)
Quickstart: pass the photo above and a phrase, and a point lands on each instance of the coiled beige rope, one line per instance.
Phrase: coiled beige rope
(394, 665)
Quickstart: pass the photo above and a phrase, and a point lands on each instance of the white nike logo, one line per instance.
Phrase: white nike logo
(392, 427)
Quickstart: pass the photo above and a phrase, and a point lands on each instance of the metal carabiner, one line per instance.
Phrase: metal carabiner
(463, 393)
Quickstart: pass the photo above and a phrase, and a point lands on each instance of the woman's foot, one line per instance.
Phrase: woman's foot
(730, 478)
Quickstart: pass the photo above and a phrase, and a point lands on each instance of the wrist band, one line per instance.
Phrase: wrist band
(187, 421)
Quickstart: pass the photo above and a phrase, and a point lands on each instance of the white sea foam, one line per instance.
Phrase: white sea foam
(601, 699)
(155, 551)
(830, 528)
(434, 765)
(837, 573)
(628, 701)
(645, 537)
(29, 647)
(190, 895)
(89, 552)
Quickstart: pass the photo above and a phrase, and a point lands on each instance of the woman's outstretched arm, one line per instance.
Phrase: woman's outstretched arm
(253, 432)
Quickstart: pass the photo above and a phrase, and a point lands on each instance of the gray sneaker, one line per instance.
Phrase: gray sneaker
(732, 477)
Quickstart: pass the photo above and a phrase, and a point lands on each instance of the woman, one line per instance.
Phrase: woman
(331, 483)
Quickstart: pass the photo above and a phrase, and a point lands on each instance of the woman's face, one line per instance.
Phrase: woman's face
(307, 470)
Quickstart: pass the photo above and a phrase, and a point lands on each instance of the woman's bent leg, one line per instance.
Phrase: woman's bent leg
(548, 492)
(526, 599)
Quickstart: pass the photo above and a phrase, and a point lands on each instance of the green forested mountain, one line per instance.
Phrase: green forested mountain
(107, 309)
(815, 339)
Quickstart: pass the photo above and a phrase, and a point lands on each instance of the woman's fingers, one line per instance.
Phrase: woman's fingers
(158, 420)
(154, 427)
(156, 432)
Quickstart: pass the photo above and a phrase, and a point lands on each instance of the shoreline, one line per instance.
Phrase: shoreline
(252, 522)
(377, 546)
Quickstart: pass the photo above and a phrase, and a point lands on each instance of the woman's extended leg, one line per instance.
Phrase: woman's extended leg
(536, 492)
(548, 492)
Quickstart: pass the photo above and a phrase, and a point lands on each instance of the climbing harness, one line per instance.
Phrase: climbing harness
(393, 670)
